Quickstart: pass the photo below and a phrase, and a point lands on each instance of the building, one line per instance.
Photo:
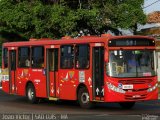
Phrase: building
(152, 28)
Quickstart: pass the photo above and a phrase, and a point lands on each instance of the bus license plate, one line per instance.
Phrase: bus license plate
(127, 87)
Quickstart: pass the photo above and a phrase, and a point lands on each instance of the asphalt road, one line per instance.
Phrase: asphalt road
(17, 107)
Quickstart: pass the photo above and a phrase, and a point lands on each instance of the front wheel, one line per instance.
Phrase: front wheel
(83, 98)
(127, 105)
(31, 94)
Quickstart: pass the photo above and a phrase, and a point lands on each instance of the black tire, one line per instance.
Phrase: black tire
(127, 105)
(83, 98)
(31, 94)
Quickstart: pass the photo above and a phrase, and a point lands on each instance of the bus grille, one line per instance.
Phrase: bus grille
(135, 81)
(136, 90)
(134, 97)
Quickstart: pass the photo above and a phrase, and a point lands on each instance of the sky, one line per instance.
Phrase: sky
(153, 7)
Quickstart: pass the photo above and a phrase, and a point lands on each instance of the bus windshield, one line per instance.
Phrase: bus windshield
(131, 63)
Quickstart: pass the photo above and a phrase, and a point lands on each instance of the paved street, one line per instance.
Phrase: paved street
(11, 105)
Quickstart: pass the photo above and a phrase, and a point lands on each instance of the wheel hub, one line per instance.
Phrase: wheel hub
(85, 98)
(30, 94)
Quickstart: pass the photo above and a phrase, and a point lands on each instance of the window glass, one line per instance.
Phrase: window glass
(38, 57)
(13, 60)
(24, 57)
(51, 60)
(131, 63)
(67, 56)
(82, 56)
(5, 57)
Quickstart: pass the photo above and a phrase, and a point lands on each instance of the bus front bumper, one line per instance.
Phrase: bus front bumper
(112, 96)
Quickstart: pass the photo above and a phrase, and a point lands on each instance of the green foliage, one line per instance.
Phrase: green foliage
(57, 18)
(0, 53)
(129, 14)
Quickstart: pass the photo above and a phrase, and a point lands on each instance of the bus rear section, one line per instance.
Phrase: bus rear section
(89, 69)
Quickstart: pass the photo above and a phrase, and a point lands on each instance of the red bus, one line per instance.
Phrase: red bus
(89, 69)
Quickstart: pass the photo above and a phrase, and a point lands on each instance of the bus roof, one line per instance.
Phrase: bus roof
(68, 40)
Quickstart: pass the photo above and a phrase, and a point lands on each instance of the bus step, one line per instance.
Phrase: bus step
(53, 98)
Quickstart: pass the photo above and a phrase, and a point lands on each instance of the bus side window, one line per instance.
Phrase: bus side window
(67, 56)
(82, 56)
(5, 57)
(37, 57)
(24, 57)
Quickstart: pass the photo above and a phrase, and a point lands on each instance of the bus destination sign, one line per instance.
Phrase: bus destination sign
(131, 42)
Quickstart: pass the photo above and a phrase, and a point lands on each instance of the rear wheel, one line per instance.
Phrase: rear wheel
(31, 94)
(127, 105)
(83, 98)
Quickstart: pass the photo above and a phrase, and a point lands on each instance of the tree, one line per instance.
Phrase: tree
(124, 14)
(129, 13)
(35, 19)
(57, 18)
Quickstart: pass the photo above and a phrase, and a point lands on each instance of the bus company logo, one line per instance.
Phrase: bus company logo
(66, 77)
(71, 74)
(120, 85)
(25, 72)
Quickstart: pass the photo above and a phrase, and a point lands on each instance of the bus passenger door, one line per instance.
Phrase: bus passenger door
(12, 71)
(52, 71)
(98, 73)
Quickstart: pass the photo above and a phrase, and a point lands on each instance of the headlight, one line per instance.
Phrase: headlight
(153, 88)
(114, 88)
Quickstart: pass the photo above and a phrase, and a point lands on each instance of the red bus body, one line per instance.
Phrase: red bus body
(65, 83)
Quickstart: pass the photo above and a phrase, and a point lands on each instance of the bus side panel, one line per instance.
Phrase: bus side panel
(22, 79)
(67, 80)
(39, 80)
